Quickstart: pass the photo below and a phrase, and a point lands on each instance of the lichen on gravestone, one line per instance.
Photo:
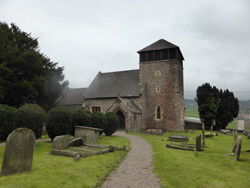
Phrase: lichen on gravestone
(60, 142)
(19, 151)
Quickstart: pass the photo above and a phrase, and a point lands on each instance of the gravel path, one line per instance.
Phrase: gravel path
(136, 169)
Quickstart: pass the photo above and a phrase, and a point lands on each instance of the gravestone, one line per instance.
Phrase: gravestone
(19, 151)
(90, 138)
(76, 142)
(60, 142)
(238, 148)
(234, 145)
(203, 135)
(198, 142)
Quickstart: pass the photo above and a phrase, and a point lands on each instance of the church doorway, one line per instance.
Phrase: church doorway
(121, 120)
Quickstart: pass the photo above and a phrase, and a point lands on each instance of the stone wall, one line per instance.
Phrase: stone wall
(133, 118)
(164, 87)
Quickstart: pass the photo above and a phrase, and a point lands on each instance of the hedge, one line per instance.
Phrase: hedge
(59, 121)
(31, 116)
(98, 120)
(80, 118)
(112, 123)
(6, 121)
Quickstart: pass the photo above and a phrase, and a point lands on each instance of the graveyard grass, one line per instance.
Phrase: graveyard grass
(59, 171)
(179, 168)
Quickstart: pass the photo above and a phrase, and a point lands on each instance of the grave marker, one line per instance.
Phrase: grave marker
(238, 149)
(60, 142)
(19, 151)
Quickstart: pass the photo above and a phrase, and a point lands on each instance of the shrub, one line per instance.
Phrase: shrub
(59, 120)
(80, 118)
(6, 121)
(98, 120)
(31, 116)
(112, 123)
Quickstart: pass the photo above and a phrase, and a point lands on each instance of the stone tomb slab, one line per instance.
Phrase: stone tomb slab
(19, 151)
(178, 138)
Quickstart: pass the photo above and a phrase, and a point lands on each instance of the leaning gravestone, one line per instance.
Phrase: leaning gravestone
(60, 142)
(238, 148)
(18, 153)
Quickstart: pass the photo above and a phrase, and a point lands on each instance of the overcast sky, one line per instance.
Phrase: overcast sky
(88, 36)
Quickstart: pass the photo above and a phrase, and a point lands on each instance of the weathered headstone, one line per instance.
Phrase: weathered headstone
(234, 146)
(203, 135)
(19, 151)
(198, 143)
(238, 148)
(90, 138)
(60, 142)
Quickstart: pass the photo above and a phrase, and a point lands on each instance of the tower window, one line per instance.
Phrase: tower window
(150, 56)
(158, 112)
(158, 89)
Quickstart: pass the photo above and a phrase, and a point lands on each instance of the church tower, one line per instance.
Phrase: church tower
(161, 69)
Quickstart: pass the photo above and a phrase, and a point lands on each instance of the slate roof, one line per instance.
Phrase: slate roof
(72, 97)
(159, 45)
(108, 85)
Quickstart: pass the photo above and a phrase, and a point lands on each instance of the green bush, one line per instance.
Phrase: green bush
(31, 116)
(6, 121)
(98, 120)
(80, 118)
(112, 123)
(59, 121)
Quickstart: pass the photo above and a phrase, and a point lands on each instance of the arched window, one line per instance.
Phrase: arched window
(158, 112)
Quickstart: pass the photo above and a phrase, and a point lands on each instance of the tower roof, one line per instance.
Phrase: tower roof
(159, 45)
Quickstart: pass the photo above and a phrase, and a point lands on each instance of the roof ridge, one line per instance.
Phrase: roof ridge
(158, 45)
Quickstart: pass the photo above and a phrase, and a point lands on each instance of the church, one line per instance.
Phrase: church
(151, 97)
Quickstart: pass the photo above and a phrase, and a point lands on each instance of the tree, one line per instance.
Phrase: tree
(213, 104)
(27, 75)
(208, 101)
(228, 109)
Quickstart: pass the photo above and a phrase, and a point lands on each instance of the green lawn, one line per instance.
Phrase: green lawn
(59, 171)
(193, 112)
(178, 168)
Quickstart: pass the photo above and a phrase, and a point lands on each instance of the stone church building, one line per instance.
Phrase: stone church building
(149, 97)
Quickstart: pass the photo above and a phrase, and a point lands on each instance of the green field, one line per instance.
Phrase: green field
(179, 168)
(59, 171)
(193, 112)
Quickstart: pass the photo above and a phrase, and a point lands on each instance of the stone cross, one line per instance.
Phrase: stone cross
(19, 151)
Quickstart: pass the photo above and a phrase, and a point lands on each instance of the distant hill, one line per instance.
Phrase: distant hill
(244, 105)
